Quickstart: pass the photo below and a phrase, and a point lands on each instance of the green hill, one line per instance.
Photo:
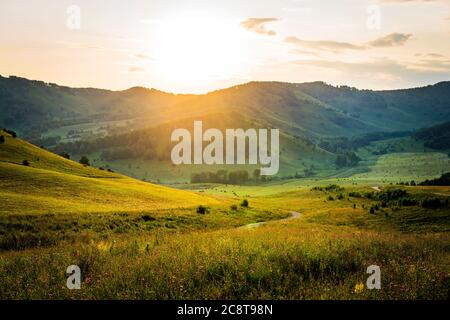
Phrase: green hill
(435, 137)
(52, 184)
(308, 109)
(129, 130)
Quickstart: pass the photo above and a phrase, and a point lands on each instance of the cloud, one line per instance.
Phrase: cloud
(391, 40)
(433, 65)
(143, 56)
(136, 69)
(430, 55)
(323, 44)
(258, 25)
(383, 68)
(305, 52)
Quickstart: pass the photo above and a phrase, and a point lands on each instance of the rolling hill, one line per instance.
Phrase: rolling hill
(52, 184)
(308, 109)
(130, 130)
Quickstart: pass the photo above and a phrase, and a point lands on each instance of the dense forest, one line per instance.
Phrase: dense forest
(436, 137)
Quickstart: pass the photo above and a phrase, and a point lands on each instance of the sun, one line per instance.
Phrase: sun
(194, 50)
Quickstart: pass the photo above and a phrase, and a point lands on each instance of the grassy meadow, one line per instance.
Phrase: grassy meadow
(137, 240)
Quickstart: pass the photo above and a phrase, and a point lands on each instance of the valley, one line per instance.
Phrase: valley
(95, 187)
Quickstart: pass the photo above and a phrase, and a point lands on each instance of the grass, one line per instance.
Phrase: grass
(136, 240)
(294, 260)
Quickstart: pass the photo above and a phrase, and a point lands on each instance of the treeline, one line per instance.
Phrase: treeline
(225, 177)
(347, 159)
(344, 144)
(397, 198)
(444, 180)
(436, 137)
(145, 144)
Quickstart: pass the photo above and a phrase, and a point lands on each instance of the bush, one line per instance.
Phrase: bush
(84, 161)
(372, 210)
(431, 203)
(330, 198)
(12, 133)
(26, 163)
(65, 155)
(234, 207)
(2, 139)
(244, 203)
(202, 209)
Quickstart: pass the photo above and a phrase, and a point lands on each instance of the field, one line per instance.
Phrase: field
(136, 240)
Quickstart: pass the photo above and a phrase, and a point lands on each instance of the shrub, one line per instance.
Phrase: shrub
(431, 203)
(372, 210)
(147, 218)
(26, 163)
(84, 161)
(64, 155)
(12, 133)
(244, 203)
(2, 139)
(330, 198)
(202, 209)
(354, 194)
(234, 207)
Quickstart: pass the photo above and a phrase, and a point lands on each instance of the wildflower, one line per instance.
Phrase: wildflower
(359, 287)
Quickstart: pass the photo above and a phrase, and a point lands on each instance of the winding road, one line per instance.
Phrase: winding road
(294, 215)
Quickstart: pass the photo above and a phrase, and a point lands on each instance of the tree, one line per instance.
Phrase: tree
(244, 203)
(202, 209)
(84, 161)
(64, 155)
(12, 133)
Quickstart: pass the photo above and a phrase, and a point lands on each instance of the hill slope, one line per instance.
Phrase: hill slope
(52, 184)
(435, 137)
(308, 109)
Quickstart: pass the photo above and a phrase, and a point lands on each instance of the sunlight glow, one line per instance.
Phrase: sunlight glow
(193, 50)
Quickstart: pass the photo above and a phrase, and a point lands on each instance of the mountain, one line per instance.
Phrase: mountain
(130, 130)
(309, 109)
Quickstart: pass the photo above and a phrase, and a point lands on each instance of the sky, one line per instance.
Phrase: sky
(194, 46)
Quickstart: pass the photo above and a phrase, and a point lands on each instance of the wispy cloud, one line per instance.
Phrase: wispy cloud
(384, 67)
(434, 65)
(390, 40)
(430, 55)
(136, 69)
(258, 25)
(143, 56)
(324, 44)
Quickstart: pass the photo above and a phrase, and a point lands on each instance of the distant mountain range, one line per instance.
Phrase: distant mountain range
(310, 109)
(136, 123)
